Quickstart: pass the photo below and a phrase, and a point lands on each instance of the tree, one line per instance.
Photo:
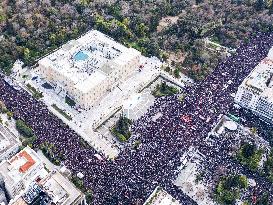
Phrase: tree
(122, 129)
(228, 189)
(164, 86)
(176, 73)
(248, 150)
(88, 196)
(9, 114)
(263, 200)
(2, 107)
(23, 128)
(26, 54)
(199, 1)
(142, 30)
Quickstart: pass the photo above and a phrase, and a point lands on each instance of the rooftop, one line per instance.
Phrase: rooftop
(19, 166)
(260, 80)
(88, 59)
(7, 140)
(19, 201)
(60, 189)
(161, 197)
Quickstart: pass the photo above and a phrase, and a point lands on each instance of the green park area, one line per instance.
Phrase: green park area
(122, 129)
(249, 155)
(229, 189)
(164, 90)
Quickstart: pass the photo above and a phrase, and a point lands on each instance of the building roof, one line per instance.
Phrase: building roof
(7, 140)
(19, 201)
(60, 189)
(80, 60)
(91, 82)
(161, 197)
(29, 161)
(19, 166)
(260, 80)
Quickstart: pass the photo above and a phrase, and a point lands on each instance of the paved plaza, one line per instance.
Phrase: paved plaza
(186, 181)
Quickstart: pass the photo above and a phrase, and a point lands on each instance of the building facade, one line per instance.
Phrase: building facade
(256, 91)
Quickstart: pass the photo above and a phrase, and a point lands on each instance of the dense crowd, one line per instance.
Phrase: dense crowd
(219, 160)
(134, 174)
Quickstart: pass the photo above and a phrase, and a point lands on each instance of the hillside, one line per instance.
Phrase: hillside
(31, 29)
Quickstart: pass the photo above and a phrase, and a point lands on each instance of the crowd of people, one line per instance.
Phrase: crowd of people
(219, 159)
(135, 173)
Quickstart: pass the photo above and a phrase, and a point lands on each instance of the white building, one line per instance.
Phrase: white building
(60, 190)
(9, 143)
(21, 170)
(53, 189)
(256, 91)
(88, 67)
(161, 197)
(27, 181)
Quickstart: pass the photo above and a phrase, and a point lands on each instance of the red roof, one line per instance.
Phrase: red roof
(30, 162)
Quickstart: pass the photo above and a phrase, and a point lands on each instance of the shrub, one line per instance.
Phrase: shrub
(23, 129)
(69, 101)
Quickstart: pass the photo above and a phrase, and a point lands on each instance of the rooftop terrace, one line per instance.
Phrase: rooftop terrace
(19, 166)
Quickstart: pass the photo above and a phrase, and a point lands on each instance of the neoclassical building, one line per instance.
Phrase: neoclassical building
(88, 67)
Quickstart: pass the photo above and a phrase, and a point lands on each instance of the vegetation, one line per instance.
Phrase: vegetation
(250, 155)
(77, 182)
(136, 144)
(182, 97)
(3, 108)
(263, 200)
(80, 185)
(50, 151)
(164, 90)
(199, 177)
(268, 167)
(229, 189)
(69, 101)
(176, 73)
(28, 136)
(62, 112)
(31, 29)
(9, 114)
(23, 129)
(36, 94)
(122, 129)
